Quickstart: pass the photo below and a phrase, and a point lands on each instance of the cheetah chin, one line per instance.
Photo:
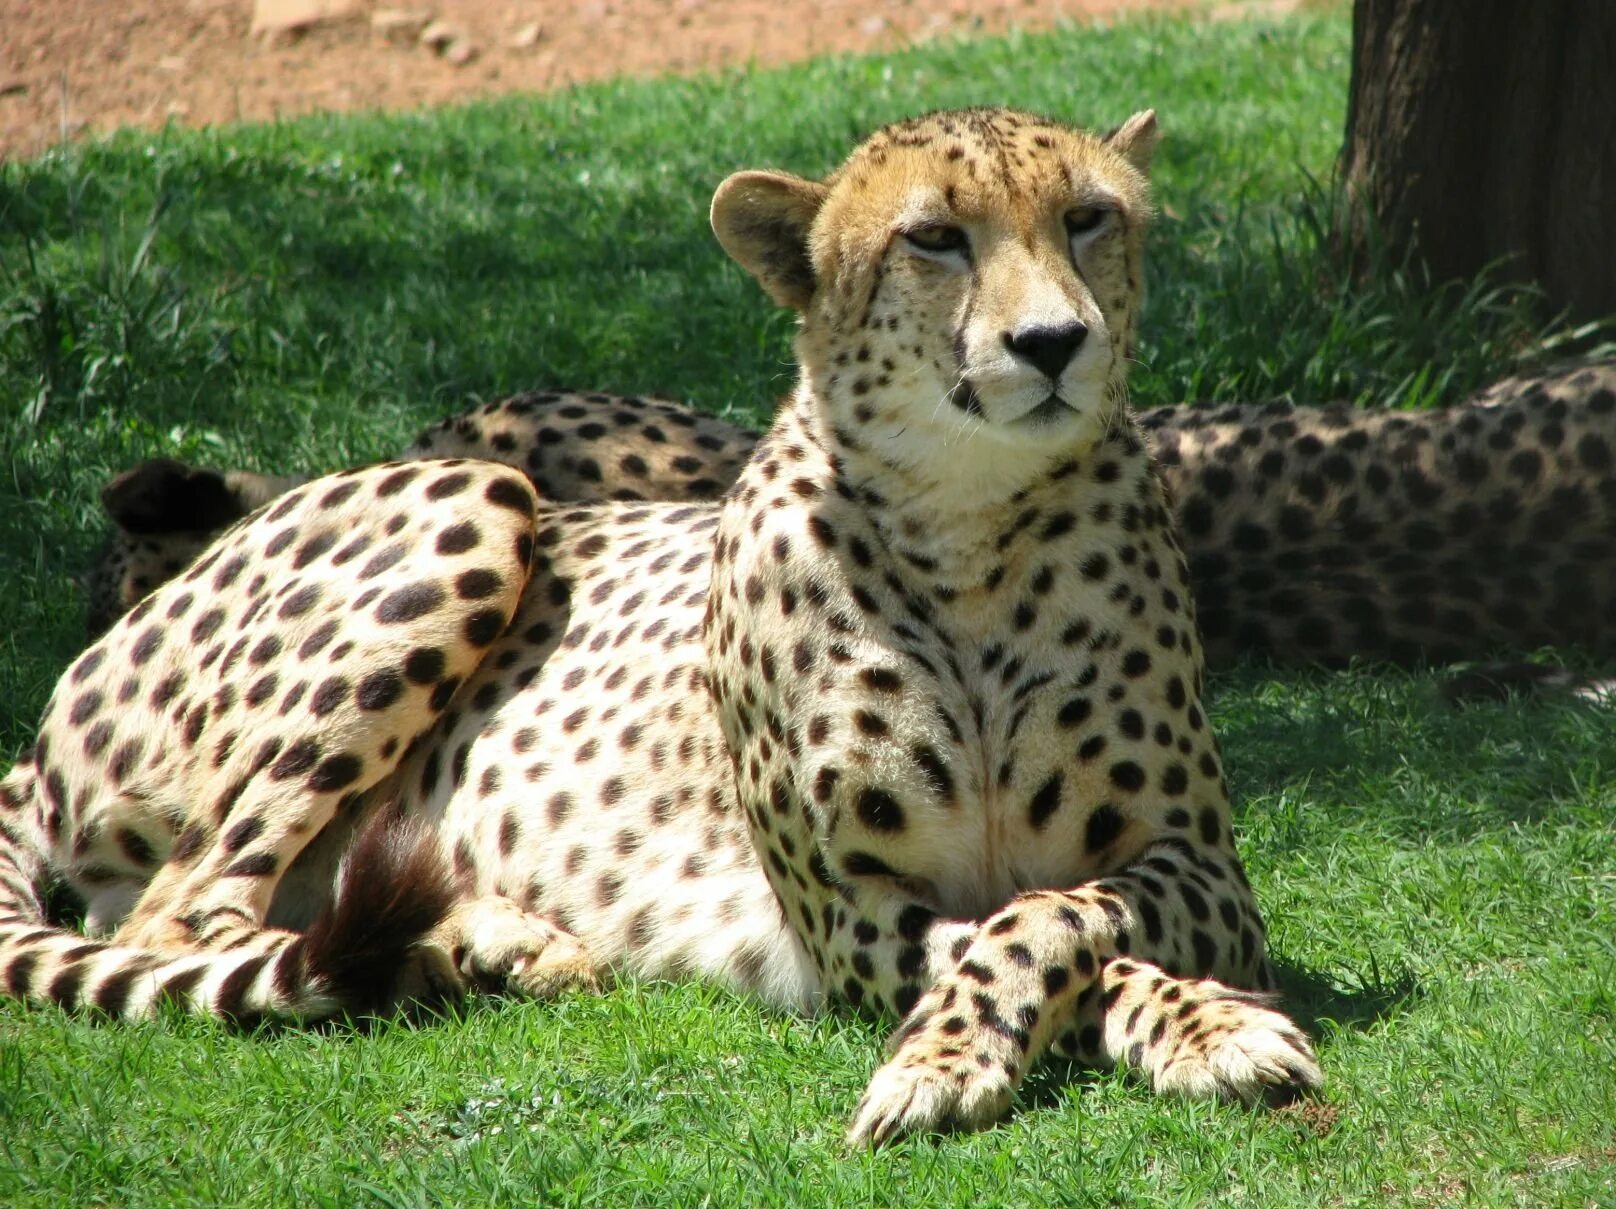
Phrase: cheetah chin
(910, 720)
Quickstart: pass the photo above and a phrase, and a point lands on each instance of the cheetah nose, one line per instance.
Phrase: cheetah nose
(1050, 349)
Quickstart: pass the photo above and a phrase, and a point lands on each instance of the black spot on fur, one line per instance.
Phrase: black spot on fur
(879, 810)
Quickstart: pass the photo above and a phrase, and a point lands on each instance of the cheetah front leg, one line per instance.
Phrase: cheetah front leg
(1089, 966)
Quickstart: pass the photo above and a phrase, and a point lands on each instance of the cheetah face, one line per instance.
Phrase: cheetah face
(968, 282)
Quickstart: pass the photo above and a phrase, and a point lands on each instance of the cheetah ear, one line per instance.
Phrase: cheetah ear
(1136, 139)
(762, 219)
(161, 495)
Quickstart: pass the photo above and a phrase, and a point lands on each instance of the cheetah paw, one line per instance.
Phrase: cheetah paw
(500, 945)
(1261, 1058)
(907, 1098)
(563, 965)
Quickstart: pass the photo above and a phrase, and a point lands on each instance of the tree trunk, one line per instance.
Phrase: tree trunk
(1480, 130)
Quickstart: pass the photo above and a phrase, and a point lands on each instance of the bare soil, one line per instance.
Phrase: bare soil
(68, 67)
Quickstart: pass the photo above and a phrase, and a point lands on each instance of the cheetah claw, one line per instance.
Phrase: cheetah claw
(501, 946)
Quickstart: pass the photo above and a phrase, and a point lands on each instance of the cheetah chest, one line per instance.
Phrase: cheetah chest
(1035, 772)
(1036, 730)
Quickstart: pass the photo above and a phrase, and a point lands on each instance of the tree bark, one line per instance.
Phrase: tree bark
(1485, 130)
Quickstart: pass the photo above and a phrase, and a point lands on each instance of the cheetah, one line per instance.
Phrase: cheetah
(909, 720)
(1314, 534)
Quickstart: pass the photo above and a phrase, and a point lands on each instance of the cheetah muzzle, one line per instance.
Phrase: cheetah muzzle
(909, 720)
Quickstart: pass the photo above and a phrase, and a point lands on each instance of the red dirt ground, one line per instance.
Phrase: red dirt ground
(72, 66)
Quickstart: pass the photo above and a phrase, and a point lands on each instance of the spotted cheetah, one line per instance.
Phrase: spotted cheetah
(1328, 534)
(1314, 534)
(909, 720)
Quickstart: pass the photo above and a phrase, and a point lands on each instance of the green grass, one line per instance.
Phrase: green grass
(296, 297)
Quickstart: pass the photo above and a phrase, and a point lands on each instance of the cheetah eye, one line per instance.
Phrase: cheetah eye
(1083, 219)
(938, 237)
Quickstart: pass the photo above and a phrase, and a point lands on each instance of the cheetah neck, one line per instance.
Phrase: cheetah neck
(963, 553)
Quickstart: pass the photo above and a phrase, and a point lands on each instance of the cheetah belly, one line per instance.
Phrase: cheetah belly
(582, 772)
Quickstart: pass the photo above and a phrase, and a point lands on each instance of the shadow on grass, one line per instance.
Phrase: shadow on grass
(1310, 999)
(1382, 748)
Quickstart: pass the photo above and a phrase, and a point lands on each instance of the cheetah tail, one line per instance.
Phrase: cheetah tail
(394, 888)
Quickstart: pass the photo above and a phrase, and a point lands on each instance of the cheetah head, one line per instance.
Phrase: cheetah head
(164, 513)
(965, 277)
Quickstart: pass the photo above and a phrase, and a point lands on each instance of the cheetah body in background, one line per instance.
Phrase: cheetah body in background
(1328, 534)
(575, 448)
(909, 720)
(1313, 534)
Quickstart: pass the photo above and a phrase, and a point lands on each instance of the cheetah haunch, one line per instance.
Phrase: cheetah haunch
(910, 720)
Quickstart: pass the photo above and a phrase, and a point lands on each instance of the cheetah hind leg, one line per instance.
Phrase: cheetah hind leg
(410, 609)
(491, 944)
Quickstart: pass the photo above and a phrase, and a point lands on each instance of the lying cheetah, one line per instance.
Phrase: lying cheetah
(1314, 534)
(910, 720)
